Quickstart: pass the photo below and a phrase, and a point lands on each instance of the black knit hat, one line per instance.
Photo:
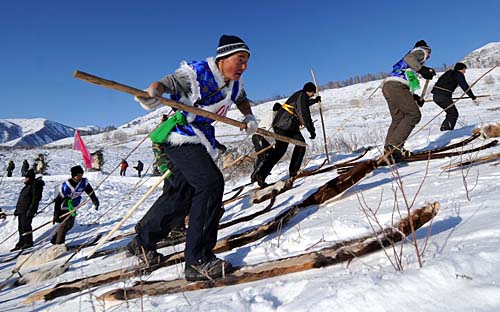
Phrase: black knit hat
(76, 170)
(30, 174)
(460, 66)
(309, 87)
(421, 43)
(229, 45)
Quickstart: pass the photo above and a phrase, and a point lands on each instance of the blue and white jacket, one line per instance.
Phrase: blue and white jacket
(209, 92)
(399, 69)
(66, 190)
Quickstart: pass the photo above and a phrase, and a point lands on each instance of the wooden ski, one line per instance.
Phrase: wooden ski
(479, 160)
(427, 156)
(340, 252)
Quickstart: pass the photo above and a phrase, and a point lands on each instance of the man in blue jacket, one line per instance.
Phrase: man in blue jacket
(197, 184)
(67, 200)
(399, 92)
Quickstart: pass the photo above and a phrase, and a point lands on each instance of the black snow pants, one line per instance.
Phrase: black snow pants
(195, 188)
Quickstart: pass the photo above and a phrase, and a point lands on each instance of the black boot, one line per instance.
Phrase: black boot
(261, 181)
(211, 269)
(397, 153)
(177, 232)
(258, 165)
(27, 245)
(448, 125)
(17, 247)
(148, 257)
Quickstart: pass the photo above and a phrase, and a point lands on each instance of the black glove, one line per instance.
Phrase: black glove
(317, 99)
(3, 216)
(55, 218)
(427, 72)
(420, 102)
(95, 201)
(221, 147)
(313, 135)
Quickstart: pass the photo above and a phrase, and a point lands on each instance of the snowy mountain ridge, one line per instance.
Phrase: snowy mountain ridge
(32, 132)
(486, 56)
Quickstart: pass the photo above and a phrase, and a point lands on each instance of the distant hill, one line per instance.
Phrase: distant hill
(486, 56)
(32, 132)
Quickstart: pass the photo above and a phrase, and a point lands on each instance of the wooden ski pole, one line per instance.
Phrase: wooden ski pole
(321, 115)
(129, 213)
(376, 89)
(465, 97)
(424, 90)
(239, 159)
(190, 109)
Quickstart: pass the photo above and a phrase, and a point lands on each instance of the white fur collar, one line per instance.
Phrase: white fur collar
(216, 72)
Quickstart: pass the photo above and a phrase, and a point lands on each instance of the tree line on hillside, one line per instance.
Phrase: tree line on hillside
(347, 82)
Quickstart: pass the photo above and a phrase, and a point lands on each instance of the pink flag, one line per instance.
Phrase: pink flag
(78, 145)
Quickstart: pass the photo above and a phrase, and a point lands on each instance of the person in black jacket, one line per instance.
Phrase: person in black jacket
(68, 199)
(261, 143)
(293, 114)
(139, 168)
(10, 167)
(443, 92)
(24, 168)
(27, 207)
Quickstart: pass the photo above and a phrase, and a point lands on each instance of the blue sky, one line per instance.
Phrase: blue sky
(136, 42)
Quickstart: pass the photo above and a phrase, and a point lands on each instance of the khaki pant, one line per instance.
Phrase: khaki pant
(405, 113)
(63, 229)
